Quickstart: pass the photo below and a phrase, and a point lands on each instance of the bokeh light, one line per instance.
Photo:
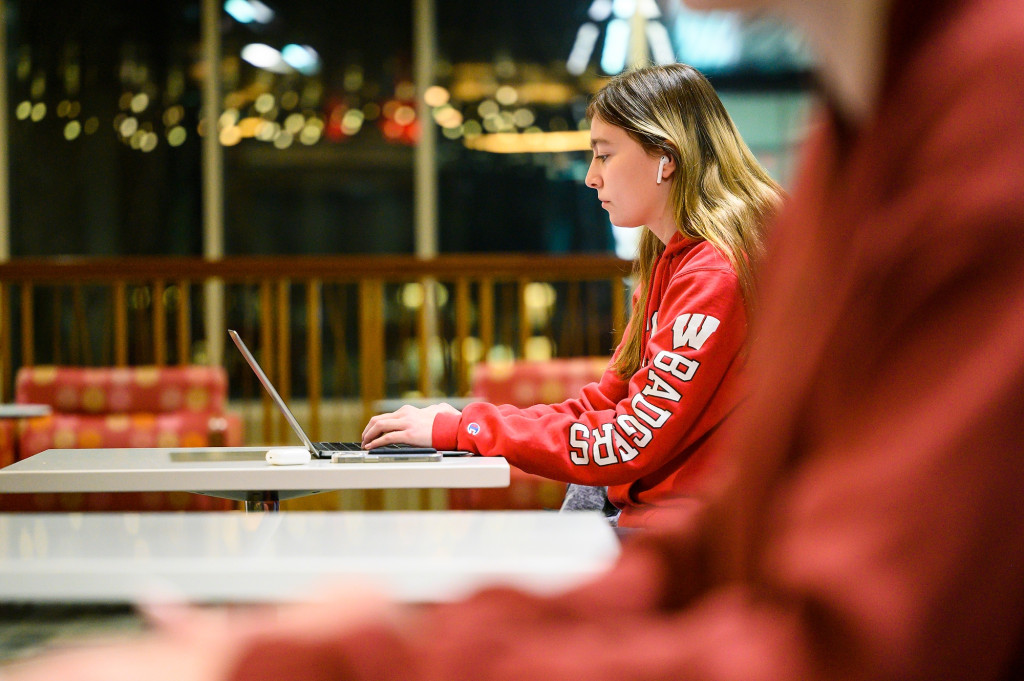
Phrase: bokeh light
(72, 130)
(435, 96)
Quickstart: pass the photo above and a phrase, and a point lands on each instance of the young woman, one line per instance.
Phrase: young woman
(667, 160)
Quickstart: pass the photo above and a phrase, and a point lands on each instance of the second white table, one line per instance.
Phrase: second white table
(238, 558)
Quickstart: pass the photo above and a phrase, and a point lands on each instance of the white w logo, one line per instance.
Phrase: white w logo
(692, 330)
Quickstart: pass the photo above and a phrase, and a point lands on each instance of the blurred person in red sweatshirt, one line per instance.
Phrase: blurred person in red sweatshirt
(667, 160)
(870, 525)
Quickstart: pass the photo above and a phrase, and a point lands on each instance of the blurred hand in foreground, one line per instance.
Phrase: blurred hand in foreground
(203, 644)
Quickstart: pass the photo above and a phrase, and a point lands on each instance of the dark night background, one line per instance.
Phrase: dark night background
(95, 195)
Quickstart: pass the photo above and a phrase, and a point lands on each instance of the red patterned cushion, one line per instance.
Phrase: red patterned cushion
(123, 407)
(151, 389)
(86, 431)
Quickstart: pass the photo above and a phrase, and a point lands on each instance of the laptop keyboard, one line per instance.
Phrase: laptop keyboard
(337, 446)
(351, 446)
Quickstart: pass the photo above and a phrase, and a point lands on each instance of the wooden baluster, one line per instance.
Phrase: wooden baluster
(507, 324)
(371, 343)
(546, 327)
(486, 316)
(525, 330)
(55, 339)
(618, 308)
(462, 313)
(79, 326)
(182, 321)
(267, 355)
(284, 355)
(28, 335)
(120, 323)
(571, 325)
(5, 343)
(159, 324)
(81, 346)
(591, 342)
(314, 366)
(336, 314)
(426, 330)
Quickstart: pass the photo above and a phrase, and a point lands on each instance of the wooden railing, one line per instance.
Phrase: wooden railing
(339, 327)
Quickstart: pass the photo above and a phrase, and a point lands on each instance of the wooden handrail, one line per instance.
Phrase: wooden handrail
(329, 268)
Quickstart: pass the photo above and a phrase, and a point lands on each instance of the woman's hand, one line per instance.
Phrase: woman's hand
(408, 425)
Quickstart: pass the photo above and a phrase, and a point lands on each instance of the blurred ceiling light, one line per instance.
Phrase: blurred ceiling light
(293, 123)
(249, 11)
(530, 143)
(600, 10)
(139, 102)
(176, 136)
(624, 9)
(302, 58)
(265, 57)
(579, 57)
(267, 131)
(523, 118)
(435, 95)
(352, 121)
(290, 100)
(487, 108)
(248, 126)
(448, 116)
(660, 43)
(616, 44)
(149, 142)
(129, 126)
(708, 40)
(506, 95)
(404, 115)
(620, 43)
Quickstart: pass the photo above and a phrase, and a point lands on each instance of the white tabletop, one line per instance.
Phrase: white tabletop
(24, 411)
(237, 557)
(233, 472)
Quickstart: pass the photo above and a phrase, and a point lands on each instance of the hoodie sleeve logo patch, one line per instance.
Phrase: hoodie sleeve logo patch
(473, 428)
(691, 330)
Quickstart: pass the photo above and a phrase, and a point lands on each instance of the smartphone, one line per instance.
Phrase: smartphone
(388, 454)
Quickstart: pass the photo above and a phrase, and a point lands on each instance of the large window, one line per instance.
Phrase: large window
(319, 120)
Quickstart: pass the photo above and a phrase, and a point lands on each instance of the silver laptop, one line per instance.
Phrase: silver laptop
(340, 452)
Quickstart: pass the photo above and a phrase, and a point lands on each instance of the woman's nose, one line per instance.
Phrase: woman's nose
(591, 180)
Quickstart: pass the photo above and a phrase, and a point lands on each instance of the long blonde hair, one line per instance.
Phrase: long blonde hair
(720, 193)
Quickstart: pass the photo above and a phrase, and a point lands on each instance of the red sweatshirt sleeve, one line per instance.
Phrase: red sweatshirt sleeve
(617, 431)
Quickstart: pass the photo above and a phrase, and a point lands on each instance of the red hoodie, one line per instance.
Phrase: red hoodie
(649, 439)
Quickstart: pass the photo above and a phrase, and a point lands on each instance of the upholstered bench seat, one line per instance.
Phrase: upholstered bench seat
(101, 407)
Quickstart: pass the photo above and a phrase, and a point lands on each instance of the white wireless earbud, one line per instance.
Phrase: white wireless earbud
(661, 167)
